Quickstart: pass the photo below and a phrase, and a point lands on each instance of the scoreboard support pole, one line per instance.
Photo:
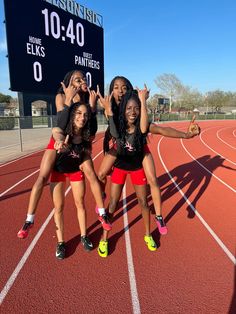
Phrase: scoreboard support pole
(25, 108)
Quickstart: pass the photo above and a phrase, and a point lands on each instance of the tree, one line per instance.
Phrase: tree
(189, 98)
(169, 85)
(215, 100)
(5, 98)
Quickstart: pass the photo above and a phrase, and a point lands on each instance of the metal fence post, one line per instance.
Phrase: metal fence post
(20, 136)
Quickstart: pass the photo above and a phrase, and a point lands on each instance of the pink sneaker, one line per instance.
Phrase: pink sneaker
(161, 225)
(105, 222)
(24, 231)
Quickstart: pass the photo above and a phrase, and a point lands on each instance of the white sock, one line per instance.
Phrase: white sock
(101, 211)
(30, 218)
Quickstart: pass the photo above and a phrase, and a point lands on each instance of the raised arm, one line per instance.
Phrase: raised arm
(143, 95)
(105, 103)
(63, 103)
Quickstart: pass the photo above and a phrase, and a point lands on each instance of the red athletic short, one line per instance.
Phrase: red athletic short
(51, 143)
(138, 177)
(61, 177)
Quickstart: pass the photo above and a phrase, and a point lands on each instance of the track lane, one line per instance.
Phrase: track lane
(179, 277)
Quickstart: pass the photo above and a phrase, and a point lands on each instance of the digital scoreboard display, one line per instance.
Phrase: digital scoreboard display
(48, 38)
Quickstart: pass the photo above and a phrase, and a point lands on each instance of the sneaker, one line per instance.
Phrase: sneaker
(161, 224)
(60, 250)
(104, 196)
(24, 231)
(105, 222)
(88, 246)
(103, 248)
(150, 243)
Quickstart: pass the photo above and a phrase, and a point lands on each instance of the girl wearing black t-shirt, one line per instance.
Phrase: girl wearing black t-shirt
(130, 148)
(73, 155)
(73, 89)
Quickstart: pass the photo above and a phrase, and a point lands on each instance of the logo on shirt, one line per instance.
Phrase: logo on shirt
(74, 155)
(129, 147)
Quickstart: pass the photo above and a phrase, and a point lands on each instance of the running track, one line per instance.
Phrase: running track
(193, 270)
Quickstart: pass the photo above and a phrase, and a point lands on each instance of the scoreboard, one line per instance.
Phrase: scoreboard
(48, 38)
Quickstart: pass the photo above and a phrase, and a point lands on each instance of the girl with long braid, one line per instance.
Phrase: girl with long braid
(130, 151)
(118, 87)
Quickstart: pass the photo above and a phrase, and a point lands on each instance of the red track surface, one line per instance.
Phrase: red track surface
(193, 270)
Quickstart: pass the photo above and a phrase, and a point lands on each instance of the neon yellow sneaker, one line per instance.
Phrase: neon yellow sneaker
(151, 244)
(103, 248)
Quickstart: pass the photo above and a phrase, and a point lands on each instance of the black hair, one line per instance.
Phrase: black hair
(85, 134)
(138, 136)
(66, 81)
(115, 109)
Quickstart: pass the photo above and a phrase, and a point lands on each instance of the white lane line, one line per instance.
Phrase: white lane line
(213, 234)
(234, 163)
(218, 136)
(211, 173)
(132, 279)
(24, 258)
(13, 186)
(19, 182)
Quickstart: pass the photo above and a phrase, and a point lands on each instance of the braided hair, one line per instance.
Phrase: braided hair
(115, 109)
(138, 136)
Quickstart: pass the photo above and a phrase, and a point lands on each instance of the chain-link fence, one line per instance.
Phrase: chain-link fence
(26, 134)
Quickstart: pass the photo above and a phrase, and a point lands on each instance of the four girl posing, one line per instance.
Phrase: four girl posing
(128, 127)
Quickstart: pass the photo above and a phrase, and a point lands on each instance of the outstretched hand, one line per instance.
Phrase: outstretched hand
(194, 128)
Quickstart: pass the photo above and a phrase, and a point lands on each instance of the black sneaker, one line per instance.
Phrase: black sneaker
(88, 246)
(60, 250)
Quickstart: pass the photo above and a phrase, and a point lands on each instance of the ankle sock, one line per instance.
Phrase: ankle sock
(101, 211)
(30, 218)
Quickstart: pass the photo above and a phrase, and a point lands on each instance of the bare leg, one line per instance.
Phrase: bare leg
(88, 169)
(149, 169)
(116, 190)
(78, 190)
(57, 191)
(141, 192)
(105, 167)
(46, 167)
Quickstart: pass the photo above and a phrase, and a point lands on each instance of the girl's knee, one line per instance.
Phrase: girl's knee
(101, 176)
(152, 181)
(59, 209)
(80, 206)
(143, 203)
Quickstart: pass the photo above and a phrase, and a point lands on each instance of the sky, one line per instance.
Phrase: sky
(194, 39)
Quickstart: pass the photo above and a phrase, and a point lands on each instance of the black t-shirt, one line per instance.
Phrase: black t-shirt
(71, 159)
(131, 157)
